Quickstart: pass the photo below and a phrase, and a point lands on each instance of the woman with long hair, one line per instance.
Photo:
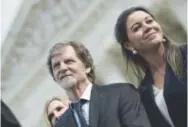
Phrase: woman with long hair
(163, 87)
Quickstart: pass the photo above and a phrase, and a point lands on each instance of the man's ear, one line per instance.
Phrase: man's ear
(88, 70)
(128, 46)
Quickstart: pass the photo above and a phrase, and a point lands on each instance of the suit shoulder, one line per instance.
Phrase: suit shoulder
(118, 86)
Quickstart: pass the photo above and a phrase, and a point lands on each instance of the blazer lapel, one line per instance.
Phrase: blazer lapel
(175, 94)
(94, 108)
(148, 99)
(173, 83)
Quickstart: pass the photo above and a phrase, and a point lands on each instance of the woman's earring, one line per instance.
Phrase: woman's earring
(163, 40)
(134, 52)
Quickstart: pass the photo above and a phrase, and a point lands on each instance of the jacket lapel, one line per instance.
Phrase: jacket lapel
(175, 94)
(173, 83)
(148, 99)
(94, 108)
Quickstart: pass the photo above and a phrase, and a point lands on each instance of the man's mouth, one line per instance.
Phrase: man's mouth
(64, 76)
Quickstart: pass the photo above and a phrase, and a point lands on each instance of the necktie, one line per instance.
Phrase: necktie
(78, 108)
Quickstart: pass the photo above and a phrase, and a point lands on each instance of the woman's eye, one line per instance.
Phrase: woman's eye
(149, 20)
(59, 108)
(136, 28)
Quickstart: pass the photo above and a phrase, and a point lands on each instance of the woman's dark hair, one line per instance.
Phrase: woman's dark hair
(172, 52)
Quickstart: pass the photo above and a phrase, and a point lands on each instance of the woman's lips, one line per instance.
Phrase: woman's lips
(150, 36)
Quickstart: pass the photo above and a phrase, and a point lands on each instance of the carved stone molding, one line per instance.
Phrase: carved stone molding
(45, 19)
(26, 56)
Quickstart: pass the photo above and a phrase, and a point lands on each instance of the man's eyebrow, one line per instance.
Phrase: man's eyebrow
(55, 54)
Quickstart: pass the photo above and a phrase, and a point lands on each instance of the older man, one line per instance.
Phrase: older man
(115, 105)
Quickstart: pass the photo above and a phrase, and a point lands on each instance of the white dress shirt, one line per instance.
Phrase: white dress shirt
(86, 95)
(85, 107)
(161, 104)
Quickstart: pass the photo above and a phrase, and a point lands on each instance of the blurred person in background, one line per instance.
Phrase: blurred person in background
(54, 108)
(163, 88)
(7, 117)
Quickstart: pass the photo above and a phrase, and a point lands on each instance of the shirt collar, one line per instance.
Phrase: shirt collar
(87, 93)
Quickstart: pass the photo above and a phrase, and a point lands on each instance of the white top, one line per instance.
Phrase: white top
(161, 104)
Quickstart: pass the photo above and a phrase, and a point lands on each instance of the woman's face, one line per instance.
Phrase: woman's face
(143, 32)
(55, 109)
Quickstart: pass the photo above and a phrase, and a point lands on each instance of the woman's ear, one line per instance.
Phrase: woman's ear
(128, 46)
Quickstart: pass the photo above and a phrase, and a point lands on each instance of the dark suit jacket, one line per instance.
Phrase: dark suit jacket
(175, 95)
(67, 119)
(7, 117)
(116, 105)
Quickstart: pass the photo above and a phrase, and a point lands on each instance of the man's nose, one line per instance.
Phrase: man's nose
(63, 66)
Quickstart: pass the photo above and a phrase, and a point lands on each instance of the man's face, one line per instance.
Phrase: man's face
(68, 69)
